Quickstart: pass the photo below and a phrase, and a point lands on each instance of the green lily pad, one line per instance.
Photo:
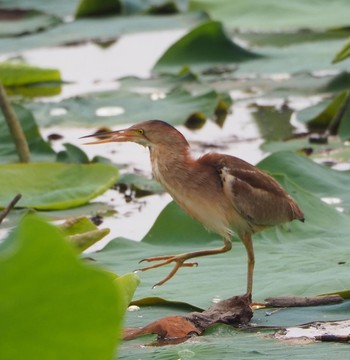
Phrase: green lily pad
(53, 186)
(16, 74)
(296, 58)
(82, 232)
(319, 180)
(140, 184)
(319, 116)
(72, 154)
(175, 108)
(282, 16)
(40, 150)
(338, 154)
(287, 38)
(162, 83)
(52, 303)
(343, 53)
(203, 47)
(90, 210)
(90, 8)
(209, 47)
(67, 8)
(16, 22)
(273, 124)
(110, 27)
(298, 84)
(301, 143)
(128, 282)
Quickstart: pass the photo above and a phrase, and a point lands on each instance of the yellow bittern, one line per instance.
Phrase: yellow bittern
(224, 193)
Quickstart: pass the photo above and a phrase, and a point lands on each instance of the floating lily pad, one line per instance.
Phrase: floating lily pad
(203, 47)
(91, 8)
(319, 116)
(52, 303)
(72, 154)
(316, 56)
(281, 15)
(287, 38)
(110, 27)
(319, 180)
(16, 22)
(141, 185)
(13, 74)
(53, 186)
(175, 108)
(273, 124)
(343, 53)
(82, 232)
(161, 84)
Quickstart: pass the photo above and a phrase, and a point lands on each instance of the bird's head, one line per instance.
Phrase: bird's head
(149, 133)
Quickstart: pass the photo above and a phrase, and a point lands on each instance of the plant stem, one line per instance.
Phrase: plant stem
(9, 207)
(15, 127)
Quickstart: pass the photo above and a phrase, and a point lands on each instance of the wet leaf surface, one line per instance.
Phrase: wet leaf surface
(282, 16)
(16, 74)
(50, 301)
(17, 22)
(85, 30)
(204, 47)
(95, 109)
(55, 186)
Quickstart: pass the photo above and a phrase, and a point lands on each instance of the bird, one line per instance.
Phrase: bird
(224, 193)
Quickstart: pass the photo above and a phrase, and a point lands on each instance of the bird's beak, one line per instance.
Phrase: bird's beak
(112, 136)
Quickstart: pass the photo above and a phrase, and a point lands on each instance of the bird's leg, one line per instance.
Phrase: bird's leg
(247, 241)
(180, 259)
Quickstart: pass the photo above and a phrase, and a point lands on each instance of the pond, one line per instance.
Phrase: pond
(261, 87)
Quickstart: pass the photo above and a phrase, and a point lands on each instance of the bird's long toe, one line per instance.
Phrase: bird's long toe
(179, 261)
(158, 258)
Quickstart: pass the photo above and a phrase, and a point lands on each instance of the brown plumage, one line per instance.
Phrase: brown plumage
(222, 192)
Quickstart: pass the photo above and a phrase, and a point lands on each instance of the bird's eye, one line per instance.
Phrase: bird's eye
(140, 131)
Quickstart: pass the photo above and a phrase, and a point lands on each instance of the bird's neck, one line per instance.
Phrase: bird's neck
(169, 165)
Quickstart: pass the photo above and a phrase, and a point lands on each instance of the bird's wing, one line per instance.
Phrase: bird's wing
(253, 193)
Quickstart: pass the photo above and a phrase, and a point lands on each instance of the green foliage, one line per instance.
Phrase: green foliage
(82, 232)
(275, 15)
(175, 107)
(16, 74)
(317, 179)
(203, 47)
(16, 22)
(72, 154)
(88, 8)
(140, 184)
(52, 305)
(50, 186)
(319, 116)
(343, 53)
(111, 27)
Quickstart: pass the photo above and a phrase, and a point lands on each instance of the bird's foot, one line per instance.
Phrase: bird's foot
(179, 261)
